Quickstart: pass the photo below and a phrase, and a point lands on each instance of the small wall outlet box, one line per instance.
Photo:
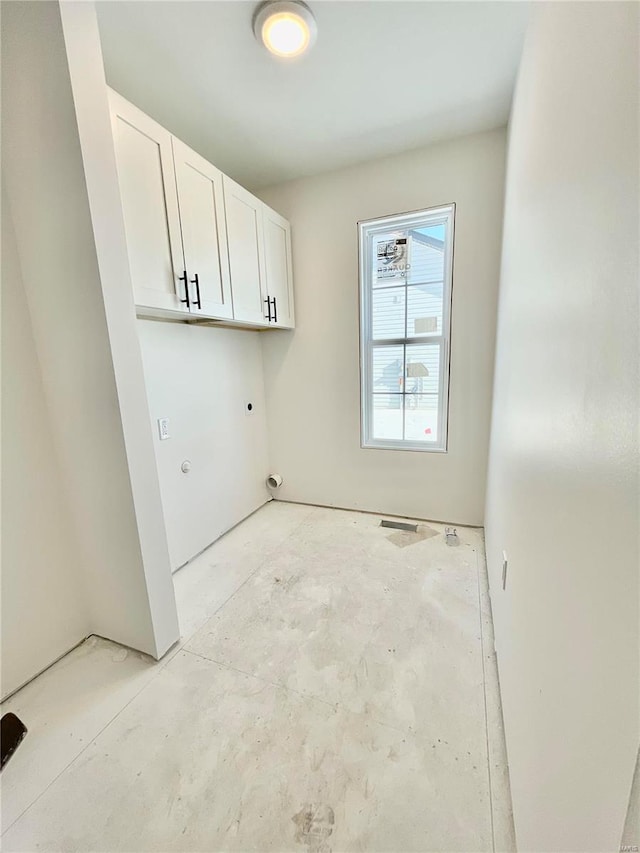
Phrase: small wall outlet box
(163, 428)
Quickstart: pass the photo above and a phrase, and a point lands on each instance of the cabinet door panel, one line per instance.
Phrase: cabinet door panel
(149, 202)
(246, 252)
(200, 198)
(279, 276)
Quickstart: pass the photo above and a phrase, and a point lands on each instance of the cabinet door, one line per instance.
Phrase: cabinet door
(279, 275)
(204, 239)
(150, 205)
(246, 253)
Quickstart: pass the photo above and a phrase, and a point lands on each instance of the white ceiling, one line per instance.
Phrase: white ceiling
(384, 76)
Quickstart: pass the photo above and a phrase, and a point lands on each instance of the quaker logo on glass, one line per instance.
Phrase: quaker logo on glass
(393, 258)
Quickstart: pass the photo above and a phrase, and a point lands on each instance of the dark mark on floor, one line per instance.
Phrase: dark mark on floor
(314, 824)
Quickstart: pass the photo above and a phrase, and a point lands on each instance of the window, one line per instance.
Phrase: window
(405, 320)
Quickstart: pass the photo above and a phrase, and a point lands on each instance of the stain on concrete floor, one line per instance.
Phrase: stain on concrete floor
(402, 538)
(314, 824)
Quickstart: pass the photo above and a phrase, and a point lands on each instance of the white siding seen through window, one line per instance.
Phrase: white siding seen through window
(405, 305)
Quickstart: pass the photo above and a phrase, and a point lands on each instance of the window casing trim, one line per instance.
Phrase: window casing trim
(442, 214)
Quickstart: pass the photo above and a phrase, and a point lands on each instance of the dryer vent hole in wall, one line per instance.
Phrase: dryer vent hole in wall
(274, 481)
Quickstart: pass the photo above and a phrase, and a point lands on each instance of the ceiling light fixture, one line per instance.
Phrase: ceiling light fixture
(285, 27)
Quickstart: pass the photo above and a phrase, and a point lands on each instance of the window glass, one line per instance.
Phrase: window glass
(405, 290)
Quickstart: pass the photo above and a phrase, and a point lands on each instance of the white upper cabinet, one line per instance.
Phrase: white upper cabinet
(199, 244)
(246, 253)
(279, 278)
(147, 188)
(201, 203)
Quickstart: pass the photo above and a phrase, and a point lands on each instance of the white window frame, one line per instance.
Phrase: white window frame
(367, 231)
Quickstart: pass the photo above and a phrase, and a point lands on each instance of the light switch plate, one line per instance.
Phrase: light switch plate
(163, 428)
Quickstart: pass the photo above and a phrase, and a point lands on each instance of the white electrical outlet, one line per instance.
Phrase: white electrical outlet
(505, 563)
(163, 428)
(249, 408)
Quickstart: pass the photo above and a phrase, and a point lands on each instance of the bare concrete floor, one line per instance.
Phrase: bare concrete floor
(335, 689)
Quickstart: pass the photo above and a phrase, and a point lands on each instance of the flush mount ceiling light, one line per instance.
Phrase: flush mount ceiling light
(285, 27)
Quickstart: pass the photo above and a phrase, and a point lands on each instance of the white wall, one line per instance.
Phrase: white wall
(82, 318)
(563, 484)
(312, 375)
(44, 612)
(93, 117)
(201, 378)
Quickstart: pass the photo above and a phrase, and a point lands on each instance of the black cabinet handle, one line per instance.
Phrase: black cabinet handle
(183, 277)
(275, 310)
(268, 301)
(196, 281)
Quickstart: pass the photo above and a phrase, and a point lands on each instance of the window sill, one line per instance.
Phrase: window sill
(401, 445)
